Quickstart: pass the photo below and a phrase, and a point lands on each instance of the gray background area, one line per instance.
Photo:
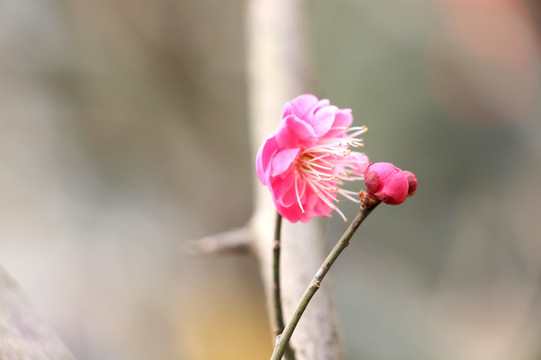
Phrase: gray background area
(123, 134)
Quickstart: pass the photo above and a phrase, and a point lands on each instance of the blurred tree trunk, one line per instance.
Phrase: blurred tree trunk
(277, 73)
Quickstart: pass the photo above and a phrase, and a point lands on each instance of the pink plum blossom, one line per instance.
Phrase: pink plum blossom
(309, 157)
(386, 182)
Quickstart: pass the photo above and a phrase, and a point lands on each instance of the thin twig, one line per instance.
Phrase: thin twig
(276, 288)
(233, 241)
(276, 276)
(282, 341)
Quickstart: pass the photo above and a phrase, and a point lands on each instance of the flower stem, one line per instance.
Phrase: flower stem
(276, 289)
(279, 317)
(283, 340)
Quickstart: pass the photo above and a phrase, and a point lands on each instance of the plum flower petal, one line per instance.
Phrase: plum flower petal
(294, 132)
(309, 158)
(323, 120)
(283, 160)
(304, 106)
(263, 159)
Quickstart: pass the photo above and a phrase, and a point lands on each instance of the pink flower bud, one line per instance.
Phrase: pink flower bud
(412, 181)
(386, 182)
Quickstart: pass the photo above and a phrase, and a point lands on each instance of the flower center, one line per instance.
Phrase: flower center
(326, 166)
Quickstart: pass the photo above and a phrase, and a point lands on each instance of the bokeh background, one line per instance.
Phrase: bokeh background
(123, 134)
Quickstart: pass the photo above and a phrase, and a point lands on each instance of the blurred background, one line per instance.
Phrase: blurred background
(123, 134)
